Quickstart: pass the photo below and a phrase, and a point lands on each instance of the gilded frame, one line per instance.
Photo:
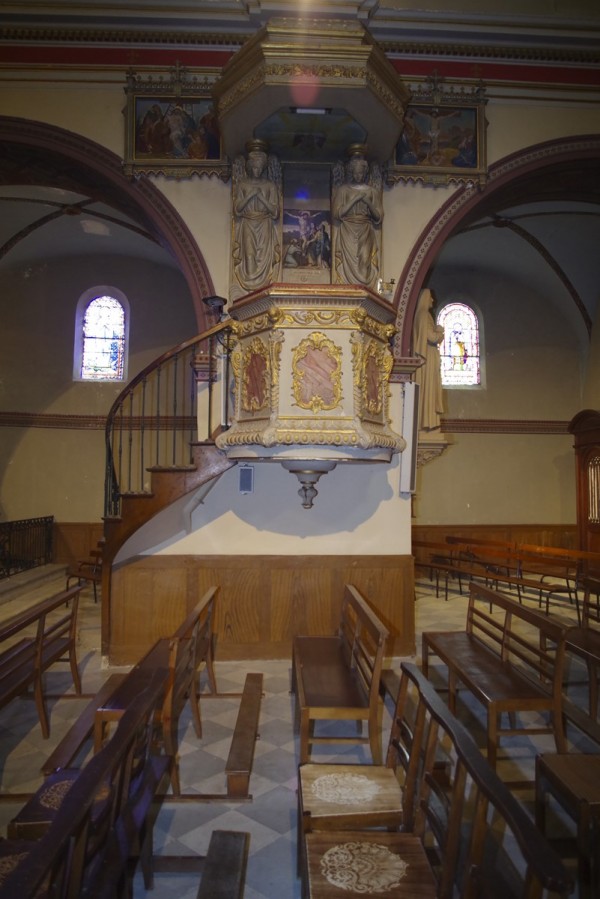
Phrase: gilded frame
(171, 127)
(443, 139)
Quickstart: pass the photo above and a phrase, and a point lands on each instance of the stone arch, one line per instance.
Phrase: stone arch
(539, 171)
(38, 153)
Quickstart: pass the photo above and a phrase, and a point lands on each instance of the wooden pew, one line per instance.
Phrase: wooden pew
(574, 565)
(510, 658)
(499, 566)
(75, 855)
(119, 689)
(338, 677)
(24, 663)
(465, 834)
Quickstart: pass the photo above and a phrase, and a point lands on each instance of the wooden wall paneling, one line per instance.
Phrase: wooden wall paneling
(148, 602)
(563, 535)
(388, 585)
(237, 616)
(263, 601)
(300, 600)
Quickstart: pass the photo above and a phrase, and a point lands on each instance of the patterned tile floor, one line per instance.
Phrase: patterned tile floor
(270, 817)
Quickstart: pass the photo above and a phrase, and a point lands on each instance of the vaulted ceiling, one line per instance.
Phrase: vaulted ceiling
(546, 228)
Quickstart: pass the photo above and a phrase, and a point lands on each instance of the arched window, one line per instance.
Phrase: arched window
(459, 350)
(101, 332)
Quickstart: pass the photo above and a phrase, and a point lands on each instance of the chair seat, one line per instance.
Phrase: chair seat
(35, 817)
(342, 796)
(386, 865)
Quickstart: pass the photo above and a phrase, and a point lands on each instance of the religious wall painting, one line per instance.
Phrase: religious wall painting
(372, 379)
(443, 138)
(317, 373)
(306, 232)
(172, 127)
(256, 374)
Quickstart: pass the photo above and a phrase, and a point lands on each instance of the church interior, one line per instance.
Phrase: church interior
(280, 201)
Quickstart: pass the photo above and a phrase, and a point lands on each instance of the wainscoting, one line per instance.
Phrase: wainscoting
(563, 535)
(263, 601)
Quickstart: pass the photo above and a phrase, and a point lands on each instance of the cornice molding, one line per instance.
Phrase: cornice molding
(47, 35)
(503, 426)
(556, 55)
(234, 41)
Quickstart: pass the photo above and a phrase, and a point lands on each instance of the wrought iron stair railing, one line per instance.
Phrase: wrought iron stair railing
(157, 419)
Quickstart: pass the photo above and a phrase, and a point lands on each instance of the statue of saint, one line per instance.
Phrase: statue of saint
(357, 208)
(256, 251)
(427, 337)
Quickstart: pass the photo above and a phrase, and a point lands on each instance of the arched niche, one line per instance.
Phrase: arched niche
(40, 154)
(566, 167)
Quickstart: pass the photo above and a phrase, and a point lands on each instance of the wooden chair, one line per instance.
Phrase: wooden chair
(396, 864)
(358, 797)
(573, 779)
(87, 570)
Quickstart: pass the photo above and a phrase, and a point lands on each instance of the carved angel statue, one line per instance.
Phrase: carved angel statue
(357, 207)
(427, 337)
(256, 251)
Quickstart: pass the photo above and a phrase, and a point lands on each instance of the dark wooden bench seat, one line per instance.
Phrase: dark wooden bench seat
(50, 637)
(510, 658)
(338, 677)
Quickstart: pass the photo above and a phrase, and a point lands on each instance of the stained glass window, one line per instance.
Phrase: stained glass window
(459, 351)
(100, 339)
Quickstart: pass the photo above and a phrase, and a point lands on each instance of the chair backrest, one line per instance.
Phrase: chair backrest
(363, 638)
(406, 748)
(425, 736)
(182, 671)
(478, 837)
(590, 616)
(581, 688)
